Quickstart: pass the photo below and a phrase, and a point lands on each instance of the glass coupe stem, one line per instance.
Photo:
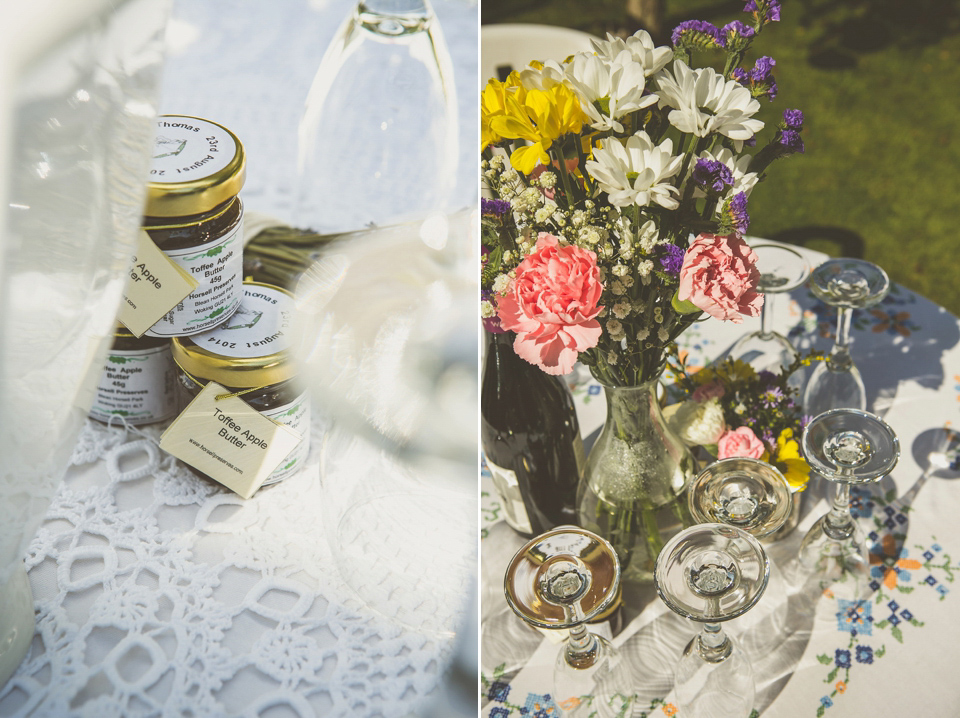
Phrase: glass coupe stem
(839, 358)
(713, 645)
(838, 523)
(583, 648)
(766, 316)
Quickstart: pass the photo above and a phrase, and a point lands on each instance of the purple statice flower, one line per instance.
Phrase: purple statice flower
(770, 12)
(768, 438)
(736, 33)
(494, 207)
(712, 176)
(791, 141)
(762, 68)
(672, 259)
(793, 119)
(701, 32)
(741, 76)
(738, 213)
(758, 80)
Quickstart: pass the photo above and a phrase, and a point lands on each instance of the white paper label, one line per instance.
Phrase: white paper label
(229, 440)
(138, 385)
(296, 415)
(218, 269)
(186, 149)
(154, 286)
(508, 489)
(259, 326)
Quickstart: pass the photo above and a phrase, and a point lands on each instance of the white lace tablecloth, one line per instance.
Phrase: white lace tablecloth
(814, 653)
(160, 594)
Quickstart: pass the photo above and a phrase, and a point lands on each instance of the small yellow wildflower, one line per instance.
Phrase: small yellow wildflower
(493, 104)
(795, 469)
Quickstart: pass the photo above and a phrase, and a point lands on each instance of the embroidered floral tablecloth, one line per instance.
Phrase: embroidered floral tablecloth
(815, 652)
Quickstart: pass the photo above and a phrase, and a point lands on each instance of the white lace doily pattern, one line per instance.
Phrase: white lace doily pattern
(161, 594)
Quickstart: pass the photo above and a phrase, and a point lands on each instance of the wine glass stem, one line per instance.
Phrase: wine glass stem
(583, 648)
(713, 644)
(838, 523)
(766, 316)
(839, 359)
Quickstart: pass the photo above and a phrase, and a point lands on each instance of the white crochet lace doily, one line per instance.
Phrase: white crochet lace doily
(159, 593)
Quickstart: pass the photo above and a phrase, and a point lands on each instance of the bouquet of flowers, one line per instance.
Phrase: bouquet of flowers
(731, 410)
(621, 180)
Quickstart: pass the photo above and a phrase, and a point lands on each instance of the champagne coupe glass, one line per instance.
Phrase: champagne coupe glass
(563, 579)
(847, 284)
(846, 446)
(782, 269)
(747, 493)
(711, 573)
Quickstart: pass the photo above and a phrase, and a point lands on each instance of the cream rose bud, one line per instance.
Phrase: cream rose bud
(696, 424)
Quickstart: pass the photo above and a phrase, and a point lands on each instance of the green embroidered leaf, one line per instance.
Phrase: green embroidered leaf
(882, 624)
(905, 589)
(897, 633)
(890, 495)
(825, 659)
(916, 622)
(498, 671)
(879, 652)
(832, 675)
(820, 710)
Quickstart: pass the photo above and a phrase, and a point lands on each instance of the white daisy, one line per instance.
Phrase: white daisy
(704, 103)
(636, 172)
(550, 73)
(607, 91)
(640, 48)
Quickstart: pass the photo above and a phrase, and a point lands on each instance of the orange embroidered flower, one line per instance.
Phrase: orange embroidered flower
(570, 703)
(670, 710)
(889, 564)
(841, 686)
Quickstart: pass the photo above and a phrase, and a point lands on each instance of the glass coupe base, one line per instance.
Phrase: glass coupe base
(601, 691)
(828, 389)
(832, 559)
(714, 690)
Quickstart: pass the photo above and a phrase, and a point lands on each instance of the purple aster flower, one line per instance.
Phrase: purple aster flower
(701, 32)
(793, 119)
(771, 397)
(804, 420)
(494, 207)
(711, 175)
(672, 260)
(791, 141)
(738, 213)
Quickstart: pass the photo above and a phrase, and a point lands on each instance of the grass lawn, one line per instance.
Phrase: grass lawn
(879, 84)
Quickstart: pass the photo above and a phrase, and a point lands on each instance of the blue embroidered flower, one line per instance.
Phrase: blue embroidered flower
(942, 590)
(499, 691)
(928, 555)
(907, 616)
(540, 706)
(936, 547)
(861, 504)
(499, 712)
(593, 390)
(930, 581)
(874, 585)
(894, 620)
(854, 616)
(864, 654)
(842, 658)
(826, 702)
(893, 605)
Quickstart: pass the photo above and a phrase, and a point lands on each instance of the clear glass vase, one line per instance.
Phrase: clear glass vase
(633, 488)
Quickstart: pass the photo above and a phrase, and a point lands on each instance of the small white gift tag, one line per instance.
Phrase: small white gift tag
(155, 286)
(229, 440)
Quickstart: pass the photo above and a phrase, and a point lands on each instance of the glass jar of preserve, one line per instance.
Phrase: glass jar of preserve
(138, 382)
(248, 354)
(195, 216)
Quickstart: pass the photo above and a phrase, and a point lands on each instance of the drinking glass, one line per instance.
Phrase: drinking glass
(563, 579)
(747, 493)
(378, 140)
(846, 446)
(847, 284)
(782, 269)
(711, 573)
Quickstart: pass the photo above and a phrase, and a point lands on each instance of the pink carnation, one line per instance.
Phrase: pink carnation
(708, 391)
(552, 305)
(719, 275)
(740, 442)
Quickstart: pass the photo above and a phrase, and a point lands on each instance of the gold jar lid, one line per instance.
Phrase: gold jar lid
(247, 351)
(197, 165)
